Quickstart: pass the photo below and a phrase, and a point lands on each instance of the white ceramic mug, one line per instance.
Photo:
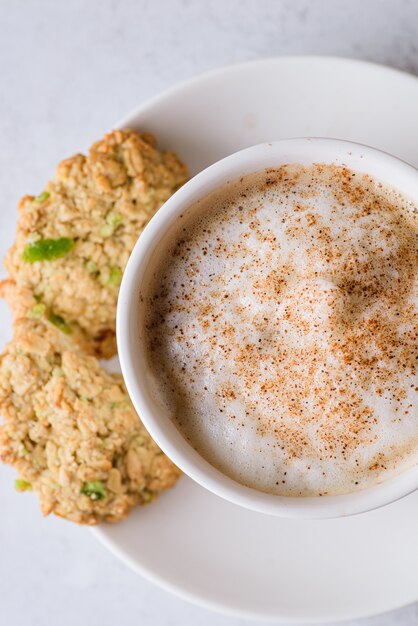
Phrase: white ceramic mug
(380, 166)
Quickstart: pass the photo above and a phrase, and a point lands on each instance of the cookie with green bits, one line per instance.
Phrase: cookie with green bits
(23, 303)
(71, 432)
(74, 239)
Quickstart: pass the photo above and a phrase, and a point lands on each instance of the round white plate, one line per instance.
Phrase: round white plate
(192, 542)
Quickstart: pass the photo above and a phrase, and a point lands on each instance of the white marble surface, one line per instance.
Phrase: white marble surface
(68, 71)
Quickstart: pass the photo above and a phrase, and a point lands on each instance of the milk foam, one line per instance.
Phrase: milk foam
(281, 326)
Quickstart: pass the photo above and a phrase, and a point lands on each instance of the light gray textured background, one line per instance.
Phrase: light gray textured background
(69, 70)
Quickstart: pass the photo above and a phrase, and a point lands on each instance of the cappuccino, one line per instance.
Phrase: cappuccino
(280, 322)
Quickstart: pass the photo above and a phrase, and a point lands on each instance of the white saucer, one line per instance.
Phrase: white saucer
(194, 543)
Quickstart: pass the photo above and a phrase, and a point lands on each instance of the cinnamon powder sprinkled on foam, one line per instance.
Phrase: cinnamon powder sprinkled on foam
(283, 330)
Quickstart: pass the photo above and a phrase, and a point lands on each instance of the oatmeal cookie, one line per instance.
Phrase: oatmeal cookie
(23, 303)
(74, 239)
(71, 432)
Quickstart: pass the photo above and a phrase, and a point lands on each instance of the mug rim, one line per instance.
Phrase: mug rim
(306, 150)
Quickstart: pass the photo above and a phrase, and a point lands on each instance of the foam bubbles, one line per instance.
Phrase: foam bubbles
(282, 323)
